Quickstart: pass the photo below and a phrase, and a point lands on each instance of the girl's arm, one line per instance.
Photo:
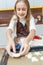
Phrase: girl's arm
(9, 34)
(25, 42)
(11, 43)
(32, 29)
(11, 26)
(31, 35)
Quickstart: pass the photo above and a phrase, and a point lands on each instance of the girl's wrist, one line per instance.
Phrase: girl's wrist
(27, 39)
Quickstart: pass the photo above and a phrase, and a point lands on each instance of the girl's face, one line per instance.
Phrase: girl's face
(21, 9)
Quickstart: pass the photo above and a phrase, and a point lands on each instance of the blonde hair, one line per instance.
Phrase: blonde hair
(28, 11)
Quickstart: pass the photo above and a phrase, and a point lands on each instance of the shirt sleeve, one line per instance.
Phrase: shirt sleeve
(12, 24)
(32, 23)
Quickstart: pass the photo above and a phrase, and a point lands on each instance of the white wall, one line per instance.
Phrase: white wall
(36, 2)
(39, 29)
(3, 38)
(10, 3)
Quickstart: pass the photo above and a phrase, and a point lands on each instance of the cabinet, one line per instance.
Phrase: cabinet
(5, 15)
(38, 14)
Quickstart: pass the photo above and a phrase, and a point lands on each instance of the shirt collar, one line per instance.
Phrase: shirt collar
(23, 21)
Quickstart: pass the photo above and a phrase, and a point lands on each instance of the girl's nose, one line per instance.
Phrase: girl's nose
(21, 11)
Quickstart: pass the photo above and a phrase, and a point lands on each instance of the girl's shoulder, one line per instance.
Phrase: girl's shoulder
(14, 17)
(31, 17)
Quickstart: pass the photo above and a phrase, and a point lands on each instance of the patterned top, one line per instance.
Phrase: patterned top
(22, 31)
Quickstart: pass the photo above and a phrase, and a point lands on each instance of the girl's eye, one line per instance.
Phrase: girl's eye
(23, 9)
(18, 9)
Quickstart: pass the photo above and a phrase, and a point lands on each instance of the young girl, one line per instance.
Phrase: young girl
(23, 26)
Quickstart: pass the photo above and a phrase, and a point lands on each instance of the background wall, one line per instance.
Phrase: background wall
(4, 4)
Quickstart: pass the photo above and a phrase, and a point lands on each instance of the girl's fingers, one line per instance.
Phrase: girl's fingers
(14, 50)
(8, 49)
(21, 49)
(27, 50)
(24, 51)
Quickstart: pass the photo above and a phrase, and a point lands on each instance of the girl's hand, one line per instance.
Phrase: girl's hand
(24, 47)
(10, 45)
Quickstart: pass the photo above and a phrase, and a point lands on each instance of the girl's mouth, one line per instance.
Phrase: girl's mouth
(21, 14)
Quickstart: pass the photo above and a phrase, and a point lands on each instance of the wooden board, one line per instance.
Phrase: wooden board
(26, 60)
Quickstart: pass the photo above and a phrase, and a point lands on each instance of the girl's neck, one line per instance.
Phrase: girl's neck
(23, 21)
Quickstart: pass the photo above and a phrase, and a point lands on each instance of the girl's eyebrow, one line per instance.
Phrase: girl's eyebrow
(22, 8)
